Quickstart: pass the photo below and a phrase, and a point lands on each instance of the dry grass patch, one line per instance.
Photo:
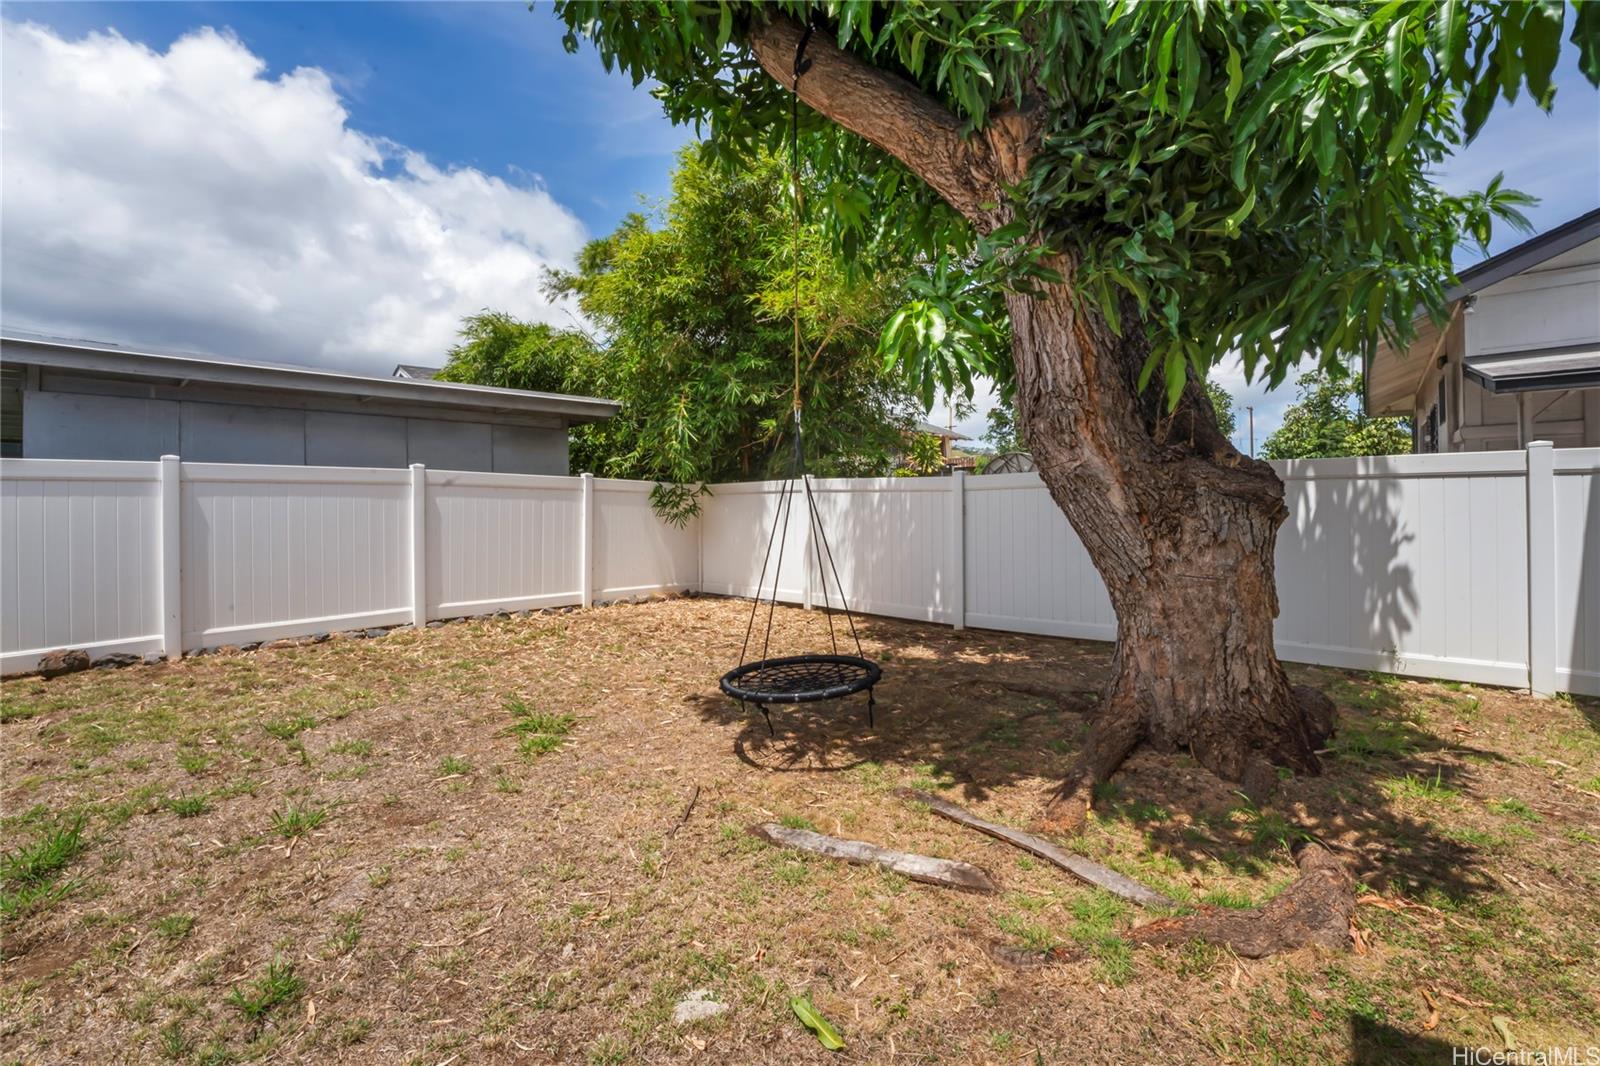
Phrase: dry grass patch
(456, 844)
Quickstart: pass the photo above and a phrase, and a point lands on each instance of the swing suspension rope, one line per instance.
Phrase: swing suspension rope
(800, 678)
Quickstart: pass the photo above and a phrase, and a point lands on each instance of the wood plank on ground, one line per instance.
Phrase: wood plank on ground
(947, 873)
(1084, 869)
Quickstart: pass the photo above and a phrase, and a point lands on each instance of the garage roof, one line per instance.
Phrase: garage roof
(98, 357)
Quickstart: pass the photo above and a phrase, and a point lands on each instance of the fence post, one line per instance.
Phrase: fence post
(586, 541)
(171, 557)
(958, 549)
(419, 545)
(1541, 568)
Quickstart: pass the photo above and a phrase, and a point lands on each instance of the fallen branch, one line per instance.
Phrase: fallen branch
(1084, 869)
(947, 873)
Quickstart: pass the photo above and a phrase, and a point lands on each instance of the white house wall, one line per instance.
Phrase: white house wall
(1534, 310)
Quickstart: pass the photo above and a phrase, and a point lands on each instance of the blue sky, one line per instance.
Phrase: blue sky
(339, 183)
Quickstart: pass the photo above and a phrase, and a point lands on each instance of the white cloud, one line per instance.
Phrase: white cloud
(186, 199)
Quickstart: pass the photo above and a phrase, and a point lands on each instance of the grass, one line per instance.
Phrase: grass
(188, 806)
(30, 874)
(174, 926)
(1421, 788)
(566, 910)
(294, 821)
(287, 729)
(257, 999)
(538, 732)
(47, 856)
(1515, 808)
(347, 932)
(454, 766)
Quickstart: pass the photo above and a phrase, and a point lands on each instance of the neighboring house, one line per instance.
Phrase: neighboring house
(83, 400)
(947, 438)
(1518, 359)
(412, 372)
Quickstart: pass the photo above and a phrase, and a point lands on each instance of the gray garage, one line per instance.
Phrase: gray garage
(84, 400)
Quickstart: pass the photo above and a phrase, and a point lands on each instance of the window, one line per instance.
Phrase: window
(1430, 432)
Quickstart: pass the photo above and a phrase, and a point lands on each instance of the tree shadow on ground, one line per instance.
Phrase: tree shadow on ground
(970, 713)
(1373, 1043)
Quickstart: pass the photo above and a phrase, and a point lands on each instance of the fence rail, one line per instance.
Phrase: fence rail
(1481, 567)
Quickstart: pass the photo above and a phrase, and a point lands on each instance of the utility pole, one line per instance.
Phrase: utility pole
(1252, 413)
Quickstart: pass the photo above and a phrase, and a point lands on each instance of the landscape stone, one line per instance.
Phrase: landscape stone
(66, 661)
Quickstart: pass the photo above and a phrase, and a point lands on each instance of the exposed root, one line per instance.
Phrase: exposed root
(1315, 910)
(1319, 711)
(1112, 736)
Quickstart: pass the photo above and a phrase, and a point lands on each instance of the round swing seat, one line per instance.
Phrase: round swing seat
(801, 678)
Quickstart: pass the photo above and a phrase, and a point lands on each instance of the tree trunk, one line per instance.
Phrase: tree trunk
(1182, 529)
(1180, 525)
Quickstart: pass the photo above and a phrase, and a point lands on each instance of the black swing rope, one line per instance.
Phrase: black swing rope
(799, 678)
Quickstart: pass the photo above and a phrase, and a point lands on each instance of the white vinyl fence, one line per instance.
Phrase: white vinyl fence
(1481, 567)
(153, 558)
(1448, 566)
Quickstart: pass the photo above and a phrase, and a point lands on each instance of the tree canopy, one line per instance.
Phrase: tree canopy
(1253, 176)
(1327, 422)
(694, 325)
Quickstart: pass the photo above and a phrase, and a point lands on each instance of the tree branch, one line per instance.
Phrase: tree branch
(885, 109)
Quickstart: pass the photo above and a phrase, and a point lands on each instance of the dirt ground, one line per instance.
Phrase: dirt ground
(402, 849)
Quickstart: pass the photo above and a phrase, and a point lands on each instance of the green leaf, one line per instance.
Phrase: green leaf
(1235, 82)
(1406, 127)
(1164, 68)
(1395, 56)
(1188, 76)
(1541, 43)
(1231, 224)
(1586, 36)
(1177, 371)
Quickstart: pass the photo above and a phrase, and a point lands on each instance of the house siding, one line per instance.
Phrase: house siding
(60, 422)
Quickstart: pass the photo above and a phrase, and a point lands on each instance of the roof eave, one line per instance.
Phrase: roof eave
(574, 409)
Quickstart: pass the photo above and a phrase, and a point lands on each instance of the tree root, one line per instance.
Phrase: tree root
(1111, 737)
(1315, 910)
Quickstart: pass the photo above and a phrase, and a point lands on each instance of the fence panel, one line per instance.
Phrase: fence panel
(889, 539)
(636, 553)
(79, 559)
(502, 542)
(1027, 571)
(736, 523)
(279, 551)
(1407, 564)
(1577, 592)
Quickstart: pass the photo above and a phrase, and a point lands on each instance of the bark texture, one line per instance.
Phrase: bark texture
(1180, 525)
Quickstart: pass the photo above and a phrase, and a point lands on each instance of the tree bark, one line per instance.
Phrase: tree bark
(1182, 529)
(1180, 525)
